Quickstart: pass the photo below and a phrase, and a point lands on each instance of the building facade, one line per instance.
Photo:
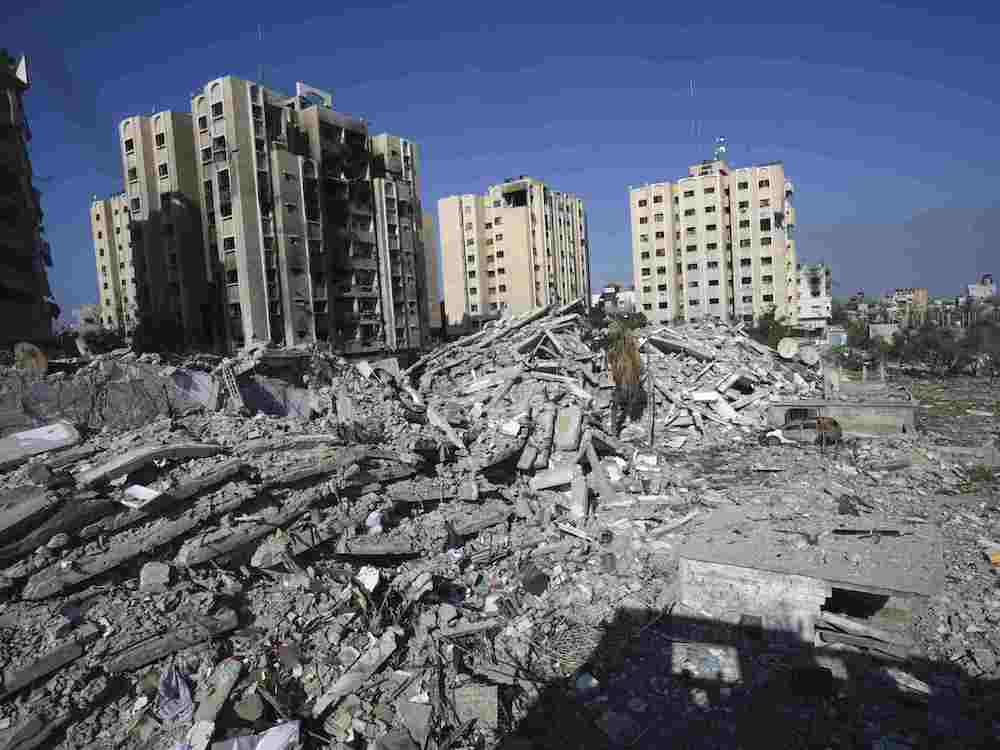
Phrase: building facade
(117, 273)
(520, 246)
(147, 240)
(311, 224)
(431, 255)
(264, 217)
(983, 290)
(717, 243)
(815, 282)
(26, 306)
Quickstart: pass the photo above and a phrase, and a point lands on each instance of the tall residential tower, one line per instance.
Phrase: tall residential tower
(520, 246)
(26, 309)
(717, 243)
(261, 216)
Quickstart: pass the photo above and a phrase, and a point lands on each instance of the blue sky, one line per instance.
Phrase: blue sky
(885, 115)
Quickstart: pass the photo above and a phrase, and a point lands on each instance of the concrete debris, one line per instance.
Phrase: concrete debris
(375, 549)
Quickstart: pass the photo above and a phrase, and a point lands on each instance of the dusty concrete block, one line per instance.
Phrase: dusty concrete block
(479, 702)
(578, 497)
(556, 477)
(154, 578)
(20, 446)
(569, 424)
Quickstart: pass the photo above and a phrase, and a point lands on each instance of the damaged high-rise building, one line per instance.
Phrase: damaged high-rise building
(301, 226)
(520, 246)
(26, 306)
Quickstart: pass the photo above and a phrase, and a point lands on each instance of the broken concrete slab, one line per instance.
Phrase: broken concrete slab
(16, 680)
(200, 628)
(479, 702)
(139, 457)
(568, 427)
(352, 680)
(17, 448)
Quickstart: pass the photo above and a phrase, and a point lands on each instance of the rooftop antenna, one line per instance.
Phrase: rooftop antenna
(720, 148)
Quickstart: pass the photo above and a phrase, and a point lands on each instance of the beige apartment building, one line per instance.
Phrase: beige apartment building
(715, 244)
(147, 240)
(311, 225)
(117, 280)
(26, 307)
(520, 246)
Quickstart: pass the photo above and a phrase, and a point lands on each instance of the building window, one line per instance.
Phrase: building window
(693, 284)
(646, 272)
(744, 223)
(748, 299)
(228, 243)
(472, 274)
(498, 221)
(768, 279)
(133, 174)
(642, 203)
(129, 146)
(643, 238)
(136, 204)
(744, 204)
(689, 193)
(713, 300)
(203, 122)
(647, 306)
(768, 298)
(713, 264)
(503, 287)
(662, 305)
(101, 251)
(744, 243)
(161, 140)
(765, 225)
(742, 185)
(766, 260)
(216, 110)
(692, 266)
(643, 219)
(162, 170)
(693, 303)
(100, 235)
(765, 202)
(711, 227)
(468, 226)
(709, 209)
(765, 241)
(709, 190)
(473, 290)
(660, 235)
(691, 248)
(713, 282)
(689, 212)
(661, 271)
(657, 199)
(712, 246)
(499, 237)
(658, 218)
(763, 183)
(206, 155)
(644, 256)
(746, 280)
(470, 258)
(745, 262)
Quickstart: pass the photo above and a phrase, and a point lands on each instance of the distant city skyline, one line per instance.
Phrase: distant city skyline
(894, 168)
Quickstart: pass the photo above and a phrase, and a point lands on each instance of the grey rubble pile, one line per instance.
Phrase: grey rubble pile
(406, 559)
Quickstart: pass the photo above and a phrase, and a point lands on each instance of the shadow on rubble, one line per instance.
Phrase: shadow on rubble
(668, 681)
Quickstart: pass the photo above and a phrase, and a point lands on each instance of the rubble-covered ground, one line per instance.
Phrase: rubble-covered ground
(464, 555)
